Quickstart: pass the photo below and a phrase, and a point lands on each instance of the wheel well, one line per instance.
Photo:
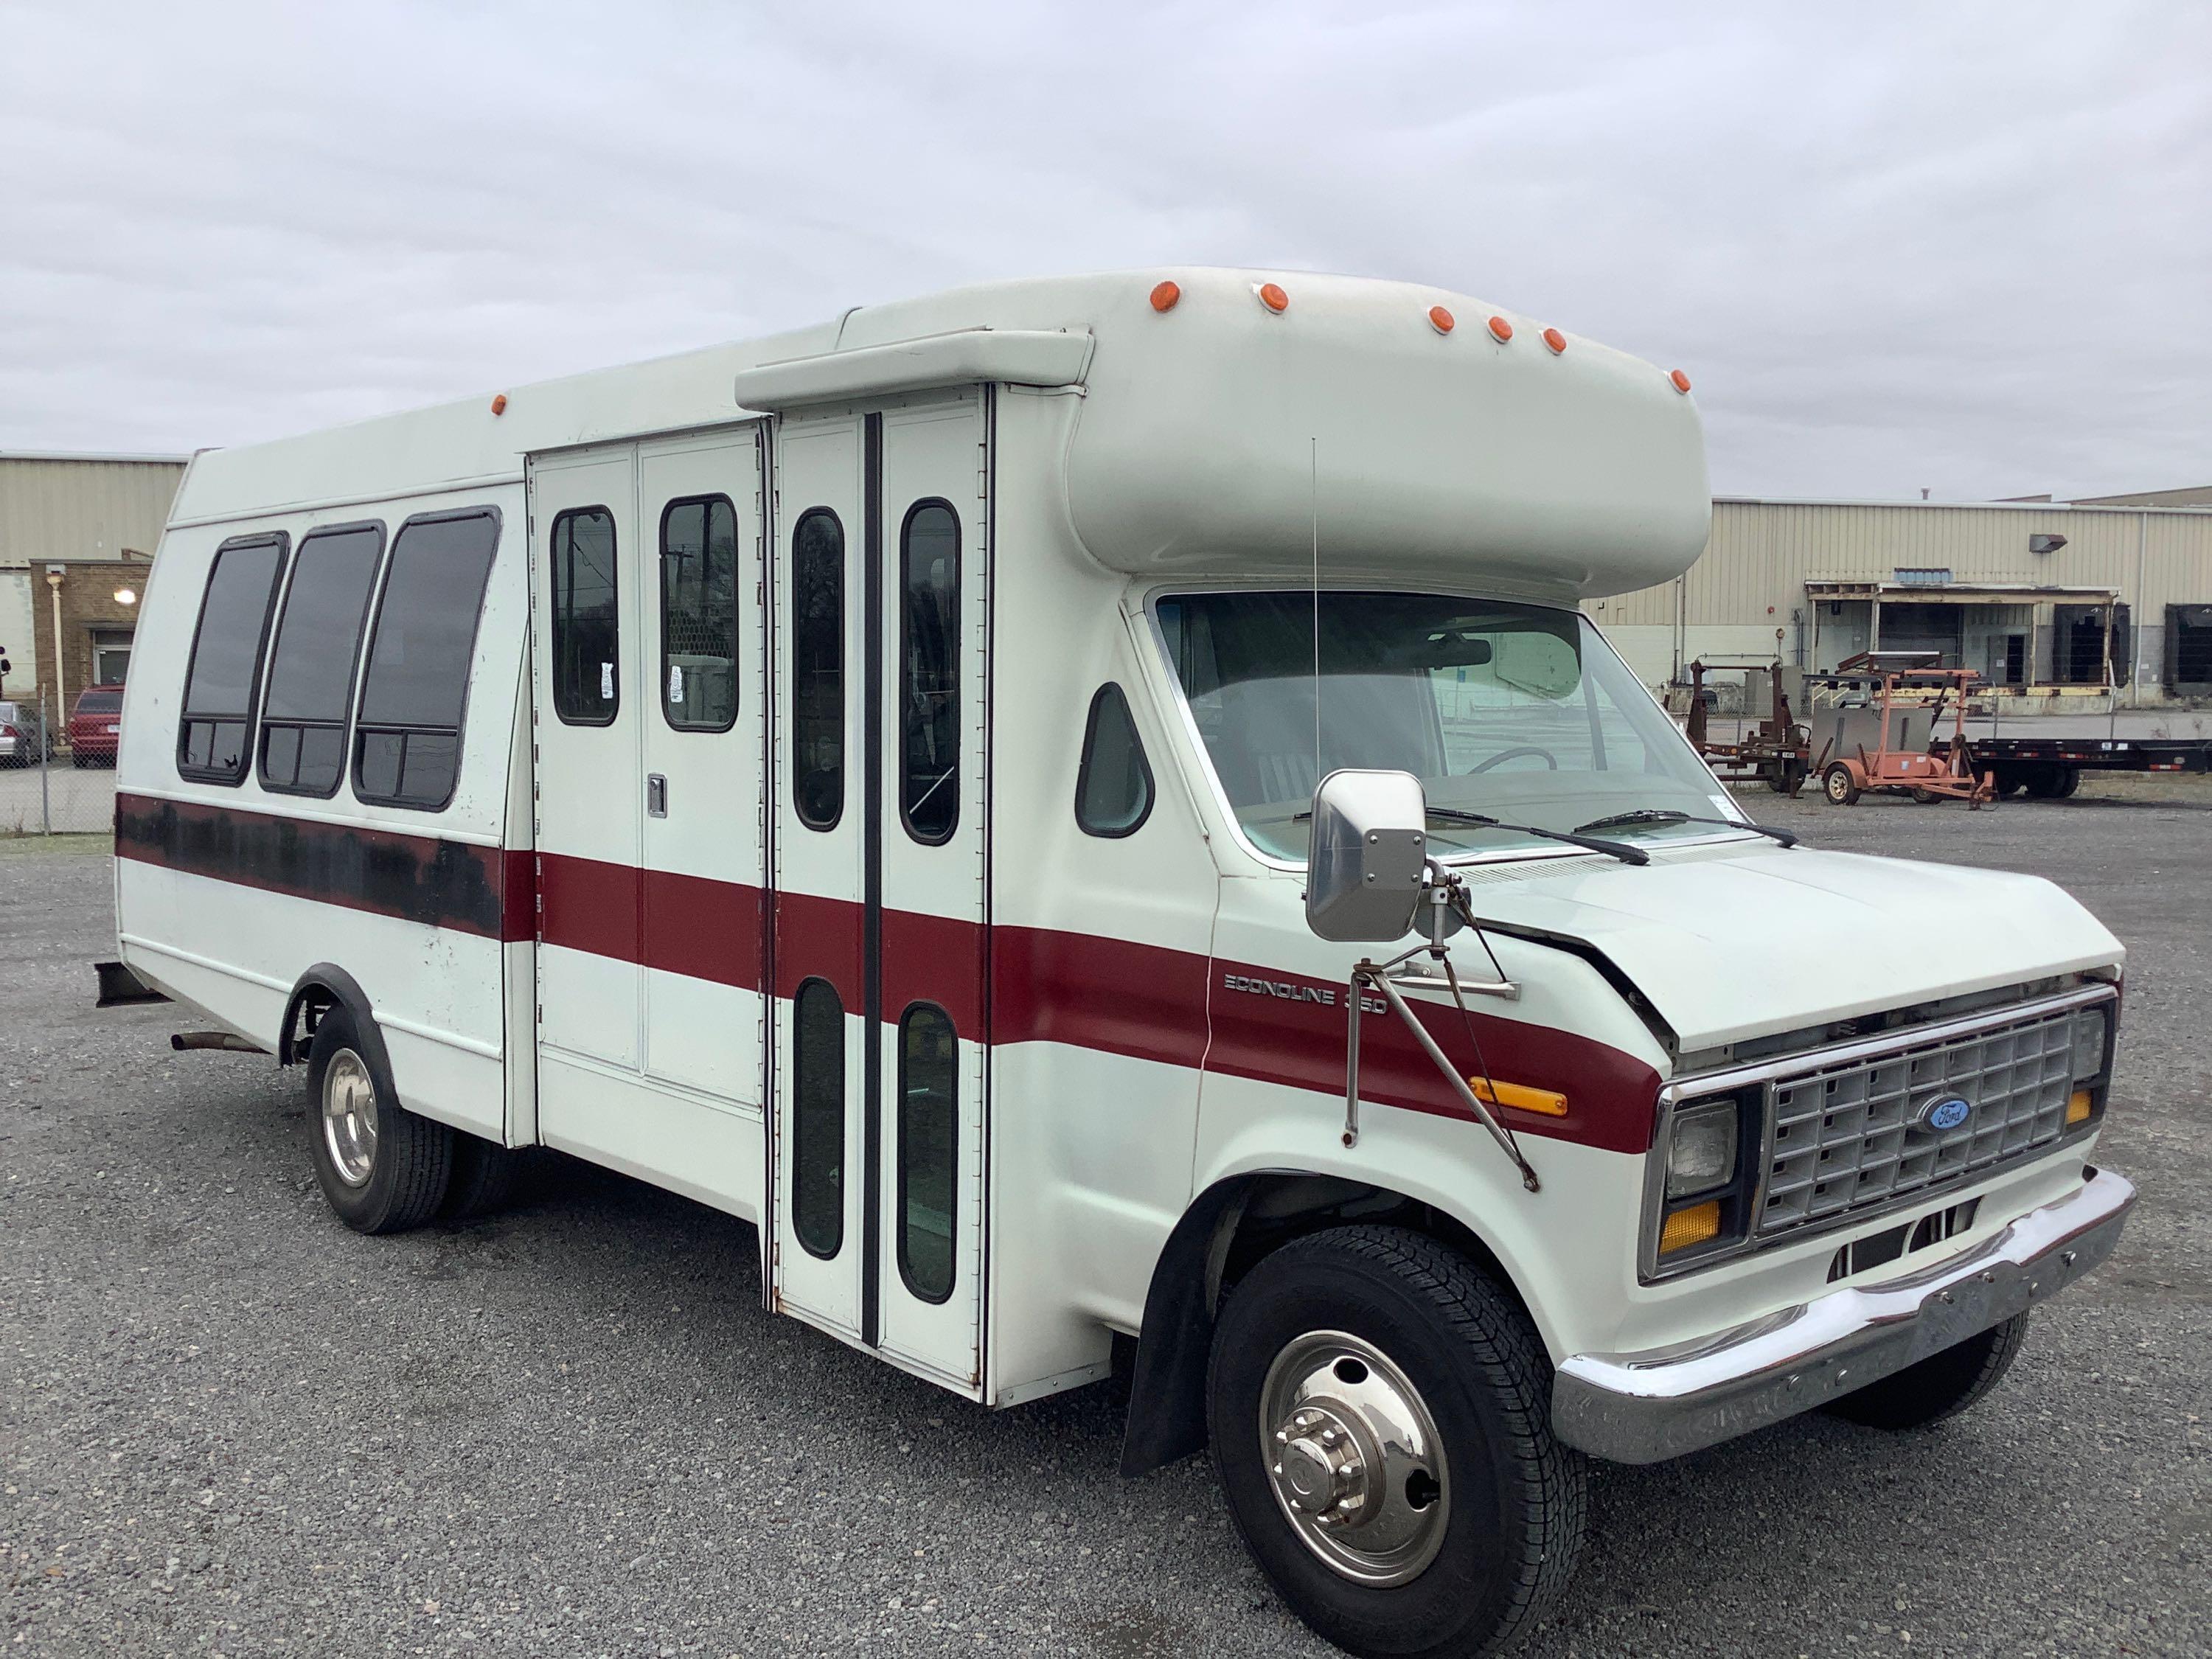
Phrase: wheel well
(1225, 1233)
(322, 988)
(309, 1003)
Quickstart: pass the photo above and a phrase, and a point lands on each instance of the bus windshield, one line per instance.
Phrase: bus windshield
(1508, 710)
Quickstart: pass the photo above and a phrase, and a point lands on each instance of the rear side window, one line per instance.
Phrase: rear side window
(407, 737)
(100, 703)
(212, 738)
(311, 666)
(1114, 789)
(698, 615)
(818, 669)
(585, 621)
(929, 656)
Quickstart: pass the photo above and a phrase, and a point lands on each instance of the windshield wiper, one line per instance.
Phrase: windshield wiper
(1620, 849)
(1666, 815)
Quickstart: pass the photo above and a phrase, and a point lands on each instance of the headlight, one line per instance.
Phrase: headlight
(1701, 1151)
(2089, 1030)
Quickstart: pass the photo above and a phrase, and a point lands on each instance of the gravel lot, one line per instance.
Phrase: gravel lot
(226, 1424)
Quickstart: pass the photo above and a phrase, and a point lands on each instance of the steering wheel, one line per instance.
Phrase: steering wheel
(1503, 755)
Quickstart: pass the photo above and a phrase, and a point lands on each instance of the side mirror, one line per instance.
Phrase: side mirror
(1366, 855)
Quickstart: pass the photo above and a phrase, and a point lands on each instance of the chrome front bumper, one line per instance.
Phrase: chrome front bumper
(1645, 1408)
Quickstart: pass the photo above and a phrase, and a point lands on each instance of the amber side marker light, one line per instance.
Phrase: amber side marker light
(2078, 1107)
(499, 405)
(1692, 1226)
(1556, 340)
(1165, 295)
(1502, 329)
(1442, 320)
(1519, 1095)
(1681, 380)
(1272, 296)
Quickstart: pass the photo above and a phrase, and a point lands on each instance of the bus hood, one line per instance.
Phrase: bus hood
(1775, 939)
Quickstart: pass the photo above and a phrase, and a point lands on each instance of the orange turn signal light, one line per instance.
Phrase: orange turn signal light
(2079, 1106)
(1556, 340)
(1692, 1226)
(1273, 297)
(1164, 296)
(1442, 320)
(499, 403)
(1501, 328)
(1681, 380)
(1519, 1095)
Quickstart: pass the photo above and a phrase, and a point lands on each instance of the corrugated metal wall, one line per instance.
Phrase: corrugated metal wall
(83, 509)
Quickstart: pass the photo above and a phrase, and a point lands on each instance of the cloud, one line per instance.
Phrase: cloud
(1958, 246)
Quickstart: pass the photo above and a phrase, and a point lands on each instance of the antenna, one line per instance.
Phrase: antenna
(1313, 513)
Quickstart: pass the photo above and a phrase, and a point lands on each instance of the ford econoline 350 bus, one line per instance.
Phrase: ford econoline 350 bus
(1089, 809)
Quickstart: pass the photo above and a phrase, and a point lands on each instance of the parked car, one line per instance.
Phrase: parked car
(95, 724)
(23, 737)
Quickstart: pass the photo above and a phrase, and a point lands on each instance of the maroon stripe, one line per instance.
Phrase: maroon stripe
(1093, 993)
(585, 904)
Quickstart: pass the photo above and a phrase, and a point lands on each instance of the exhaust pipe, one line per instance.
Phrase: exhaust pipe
(230, 1040)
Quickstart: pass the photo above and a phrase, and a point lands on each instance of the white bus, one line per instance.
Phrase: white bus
(1088, 809)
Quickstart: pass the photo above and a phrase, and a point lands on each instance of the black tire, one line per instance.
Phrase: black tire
(483, 1179)
(2069, 779)
(79, 762)
(411, 1163)
(1837, 784)
(1942, 1385)
(1517, 1498)
(2006, 781)
(1925, 797)
(2048, 780)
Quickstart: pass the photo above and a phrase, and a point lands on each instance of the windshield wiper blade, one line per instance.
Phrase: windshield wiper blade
(1620, 849)
(1666, 815)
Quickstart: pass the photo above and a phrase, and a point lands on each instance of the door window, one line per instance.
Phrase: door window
(699, 614)
(226, 661)
(929, 678)
(928, 1123)
(818, 669)
(818, 1126)
(586, 623)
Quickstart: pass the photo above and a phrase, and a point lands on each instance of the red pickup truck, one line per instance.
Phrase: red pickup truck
(94, 723)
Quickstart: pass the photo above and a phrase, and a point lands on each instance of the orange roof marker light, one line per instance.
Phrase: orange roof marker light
(499, 403)
(1502, 329)
(1164, 296)
(1557, 341)
(1441, 320)
(1681, 380)
(1272, 296)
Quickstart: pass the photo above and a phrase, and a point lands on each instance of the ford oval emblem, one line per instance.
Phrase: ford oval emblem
(1942, 1113)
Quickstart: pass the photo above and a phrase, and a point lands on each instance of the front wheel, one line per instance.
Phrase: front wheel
(1837, 784)
(1942, 1385)
(1380, 1413)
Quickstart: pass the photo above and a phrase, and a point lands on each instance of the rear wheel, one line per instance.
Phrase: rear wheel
(482, 1180)
(1942, 1385)
(383, 1168)
(1837, 784)
(1926, 797)
(1787, 778)
(1381, 1423)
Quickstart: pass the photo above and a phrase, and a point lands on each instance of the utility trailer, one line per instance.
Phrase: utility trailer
(1777, 751)
(2050, 769)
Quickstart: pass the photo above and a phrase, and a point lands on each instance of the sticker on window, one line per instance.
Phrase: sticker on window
(676, 682)
(606, 681)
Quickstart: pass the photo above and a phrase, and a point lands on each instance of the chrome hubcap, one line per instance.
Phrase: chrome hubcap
(1353, 1454)
(349, 1118)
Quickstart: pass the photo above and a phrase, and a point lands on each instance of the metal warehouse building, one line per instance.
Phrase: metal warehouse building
(2049, 601)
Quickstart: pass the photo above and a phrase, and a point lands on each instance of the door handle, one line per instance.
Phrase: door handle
(656, 795)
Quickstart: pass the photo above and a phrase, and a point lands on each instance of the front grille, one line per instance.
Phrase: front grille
(1843, 1137)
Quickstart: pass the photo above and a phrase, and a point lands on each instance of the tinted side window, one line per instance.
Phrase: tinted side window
(226, 661)
(928, 1129)
(585, 628)
(311, 666)
(929, 659)
(1114, 789)
(407, 739)
(818, 669)
(817, 1131)
(698, 615)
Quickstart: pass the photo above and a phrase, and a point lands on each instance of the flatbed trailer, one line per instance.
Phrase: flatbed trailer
(2052, 768)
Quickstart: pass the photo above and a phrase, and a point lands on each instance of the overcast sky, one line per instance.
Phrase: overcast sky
(1962, 247)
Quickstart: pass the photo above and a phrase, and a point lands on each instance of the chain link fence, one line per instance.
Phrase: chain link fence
(48, 786)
